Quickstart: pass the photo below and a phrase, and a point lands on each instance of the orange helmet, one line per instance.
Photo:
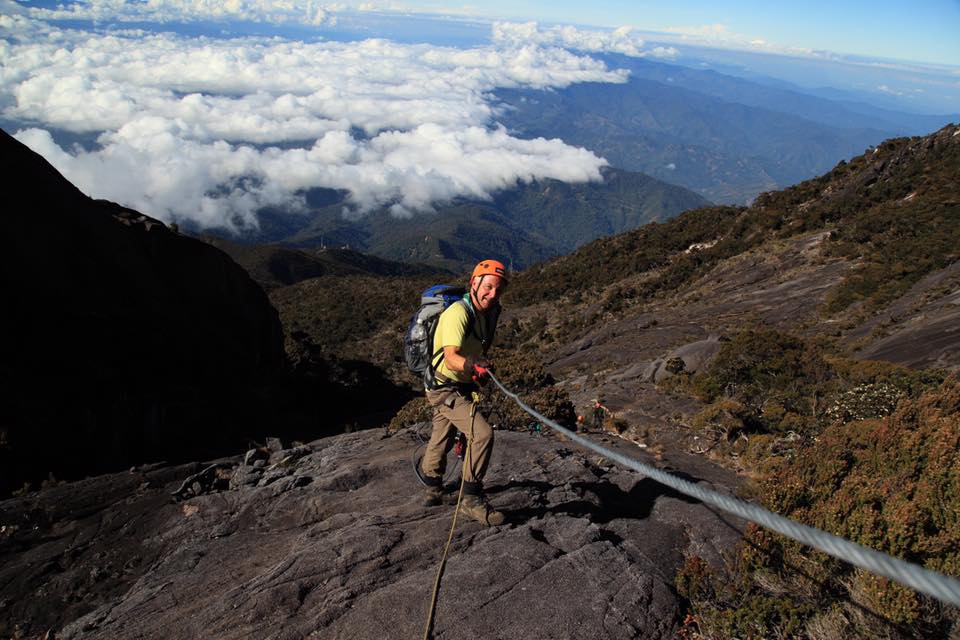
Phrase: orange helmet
(489, 268)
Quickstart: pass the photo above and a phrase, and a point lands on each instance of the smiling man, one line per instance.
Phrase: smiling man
(463, 335)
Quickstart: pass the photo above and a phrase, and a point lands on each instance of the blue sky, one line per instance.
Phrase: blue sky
(924, 30)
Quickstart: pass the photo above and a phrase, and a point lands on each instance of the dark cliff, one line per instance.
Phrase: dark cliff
(123, 340)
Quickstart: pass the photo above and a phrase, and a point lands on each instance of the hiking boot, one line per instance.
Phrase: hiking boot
(475, 507)
(433, 497)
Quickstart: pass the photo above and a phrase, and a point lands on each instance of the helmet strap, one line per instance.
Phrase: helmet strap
(473, 293)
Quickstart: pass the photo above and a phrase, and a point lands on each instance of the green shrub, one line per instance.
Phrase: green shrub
(783, 384)
(417, 410)
(892, 484)
(522, 373)
(773, 375)
(675, 366)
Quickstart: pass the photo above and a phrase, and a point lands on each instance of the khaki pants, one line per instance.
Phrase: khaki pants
(452, 412)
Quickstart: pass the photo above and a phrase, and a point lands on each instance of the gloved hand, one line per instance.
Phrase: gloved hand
(479, 369)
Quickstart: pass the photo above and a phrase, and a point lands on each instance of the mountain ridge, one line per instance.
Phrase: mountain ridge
(840, 112)
(276, 266)
(533, 221)
(898, 175)
(728, 144)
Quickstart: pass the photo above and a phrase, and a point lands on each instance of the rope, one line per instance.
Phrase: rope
(453, 527)
(932, 583)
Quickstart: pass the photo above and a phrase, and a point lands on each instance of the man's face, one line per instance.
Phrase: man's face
(487, 290)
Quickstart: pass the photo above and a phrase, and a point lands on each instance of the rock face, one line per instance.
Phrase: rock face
(631, 354)
(329, 540)
(122, 340)
(921, 329)
(691, 358)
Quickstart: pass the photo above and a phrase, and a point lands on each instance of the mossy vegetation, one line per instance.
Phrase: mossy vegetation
(656, 246)
(342, 315)
(891, 484)
(767, 391)
(875, 460)
(900, 248)
(522, 373)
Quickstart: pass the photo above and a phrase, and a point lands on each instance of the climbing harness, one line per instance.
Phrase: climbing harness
(932, 583)
(420, 430)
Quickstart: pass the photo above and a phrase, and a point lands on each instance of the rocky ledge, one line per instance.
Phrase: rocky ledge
(329, 540)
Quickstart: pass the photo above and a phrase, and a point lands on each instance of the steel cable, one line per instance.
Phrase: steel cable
(932, 583)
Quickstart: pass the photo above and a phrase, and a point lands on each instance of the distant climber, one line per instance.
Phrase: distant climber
(600, 413)
(463, 336)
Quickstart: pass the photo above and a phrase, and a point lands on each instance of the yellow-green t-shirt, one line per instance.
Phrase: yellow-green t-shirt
(452, 331)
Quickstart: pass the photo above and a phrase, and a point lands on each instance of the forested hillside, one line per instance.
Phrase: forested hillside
(529, 222)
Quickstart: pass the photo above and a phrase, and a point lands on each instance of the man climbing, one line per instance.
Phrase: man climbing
(463, 336)
(600, 413)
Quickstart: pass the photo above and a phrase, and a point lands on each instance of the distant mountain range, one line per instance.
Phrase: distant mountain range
(676, 138)
(726, 138)
(529, 223)
(845, 109)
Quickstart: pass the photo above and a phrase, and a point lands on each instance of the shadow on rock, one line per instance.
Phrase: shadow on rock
(601, 502)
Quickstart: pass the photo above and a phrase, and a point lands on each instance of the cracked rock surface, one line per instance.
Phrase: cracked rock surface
(338, 546)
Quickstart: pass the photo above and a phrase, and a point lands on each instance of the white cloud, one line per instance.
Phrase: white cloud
(622, 40)
(664, 52)
(890, 90)
(155, 171)
(268, 11)
(201, 129)
(715, 31)
(720, 35)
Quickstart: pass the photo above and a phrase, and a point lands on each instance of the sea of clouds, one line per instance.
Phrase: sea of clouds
(210, 130)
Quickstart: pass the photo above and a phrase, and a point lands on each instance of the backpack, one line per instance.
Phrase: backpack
(418, 341)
